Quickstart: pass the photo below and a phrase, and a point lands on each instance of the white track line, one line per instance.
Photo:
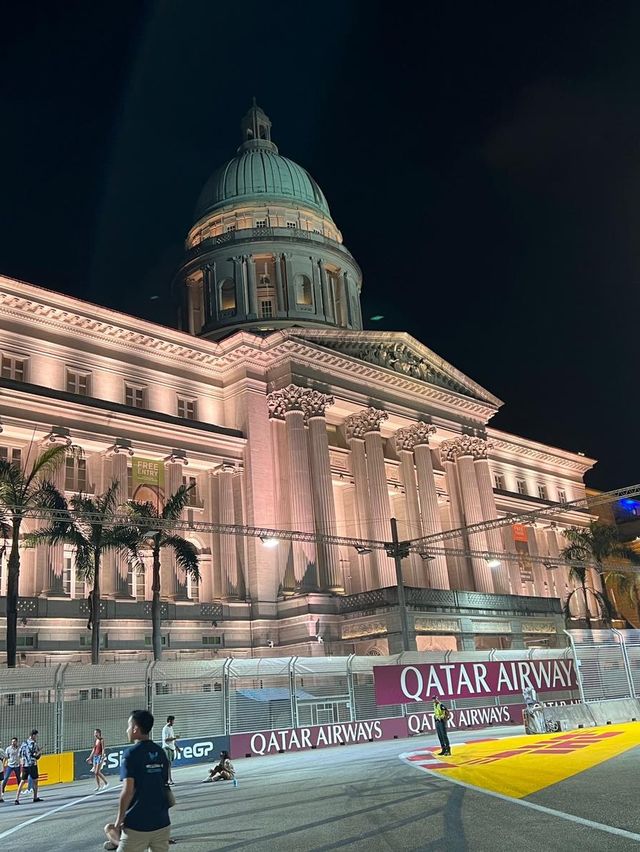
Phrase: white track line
(44, 815)
(599, 826)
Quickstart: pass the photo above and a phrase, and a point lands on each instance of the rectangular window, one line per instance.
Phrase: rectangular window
(193, 589)
(212, 640)
(72, 586)
(521, 485)
(163, 641)
(75, 474)
(266, 309)
(187, 408)
(134, 396)
(292, 225)
(229, 228)
(562, 495)
(193, 499)
(498, 481)
(136, 583)
(13, 368)
(542, 492)
(11, 454)
(261, 223)
(78, 382)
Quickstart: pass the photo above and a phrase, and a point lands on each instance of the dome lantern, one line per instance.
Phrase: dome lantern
(264, 252)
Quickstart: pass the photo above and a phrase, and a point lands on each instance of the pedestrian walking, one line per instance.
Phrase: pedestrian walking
(143, 820)
(11, 764)
(170, 744)
(30, 753)
(97, 758)
(442, 715)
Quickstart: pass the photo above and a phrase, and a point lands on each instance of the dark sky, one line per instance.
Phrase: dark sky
(481, 159)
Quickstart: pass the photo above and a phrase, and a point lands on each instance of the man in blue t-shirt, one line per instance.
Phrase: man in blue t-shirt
(143, 814)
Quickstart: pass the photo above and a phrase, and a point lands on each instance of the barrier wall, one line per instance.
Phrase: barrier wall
(52, 769)
(594, 714)
(194, 750)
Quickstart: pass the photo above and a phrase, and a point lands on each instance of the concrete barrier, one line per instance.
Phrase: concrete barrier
(594, 713)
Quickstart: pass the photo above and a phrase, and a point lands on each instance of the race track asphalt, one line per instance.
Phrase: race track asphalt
(360, 798)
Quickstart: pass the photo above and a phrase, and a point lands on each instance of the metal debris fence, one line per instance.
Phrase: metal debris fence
(227, 696)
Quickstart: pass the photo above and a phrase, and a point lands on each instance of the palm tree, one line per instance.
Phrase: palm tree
(89, 526)
(146, 516)
(21, 494)
(596, 544)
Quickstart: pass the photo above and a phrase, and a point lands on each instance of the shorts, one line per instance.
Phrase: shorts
(30, 772)
(171, 755)
(97, 759)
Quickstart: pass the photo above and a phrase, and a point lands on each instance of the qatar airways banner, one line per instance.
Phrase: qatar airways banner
(424, 681)
(315, 736)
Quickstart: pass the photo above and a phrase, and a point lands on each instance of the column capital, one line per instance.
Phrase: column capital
(412, 436)
(287, 399)
(464, 445)
(369, 420)
(316, 403)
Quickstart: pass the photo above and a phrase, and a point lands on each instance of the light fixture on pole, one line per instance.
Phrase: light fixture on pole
(492, 561)
(361, 549)
(269, 542)
(426, 556)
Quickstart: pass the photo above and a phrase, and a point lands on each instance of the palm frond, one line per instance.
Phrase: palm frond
(108, 500)
(176, 503)
(185, 553)
(46, 462)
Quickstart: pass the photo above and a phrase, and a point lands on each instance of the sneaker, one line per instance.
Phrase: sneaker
(16, 802)
(440, 753)
(109, 845)
(38, 799)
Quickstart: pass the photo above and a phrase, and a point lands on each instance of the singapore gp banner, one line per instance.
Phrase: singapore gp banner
(405, 684)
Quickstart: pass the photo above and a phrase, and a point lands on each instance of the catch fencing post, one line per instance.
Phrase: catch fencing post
(226, 696)
(627, 664)
(59, 695)
(351, 689)
(576, 663)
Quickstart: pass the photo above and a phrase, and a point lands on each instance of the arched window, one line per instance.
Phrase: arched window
(302, 285)
(228, 295)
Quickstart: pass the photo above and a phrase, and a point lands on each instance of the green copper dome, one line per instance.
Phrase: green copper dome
(259, 173)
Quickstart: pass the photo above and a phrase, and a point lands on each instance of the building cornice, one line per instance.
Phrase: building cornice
(504, 444)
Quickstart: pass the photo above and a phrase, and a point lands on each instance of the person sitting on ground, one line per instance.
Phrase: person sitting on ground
(223, 771)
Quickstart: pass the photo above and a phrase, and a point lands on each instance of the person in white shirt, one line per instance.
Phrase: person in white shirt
(11, 763)
(169, 743)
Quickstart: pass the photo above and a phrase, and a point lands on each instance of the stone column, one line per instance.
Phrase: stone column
(539, 571)
(366, 425)
(280, 299)
(315, 405)
(418, 574)
(251, 288)
(241, 286)
(49, 558)
(490, 513)
(114, 566)
(462, 565)
(282, 498)
(173, 584)
(462, 450)
(326, 293)
(288, 402)
(210, 577)
(368, 572)
(559, 575)
(416, 438)
(228, 561)
(288, 273)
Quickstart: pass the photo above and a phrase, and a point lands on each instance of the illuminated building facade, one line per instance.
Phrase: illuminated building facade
(285, 414)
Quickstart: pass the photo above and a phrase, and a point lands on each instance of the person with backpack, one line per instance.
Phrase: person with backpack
(441, 714)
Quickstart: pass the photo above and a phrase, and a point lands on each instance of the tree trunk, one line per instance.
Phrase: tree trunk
(12, 594)
(156, 621)
(615, 612)
(95, 611)
(587, 614)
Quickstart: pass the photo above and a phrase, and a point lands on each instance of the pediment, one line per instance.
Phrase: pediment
(402, 354)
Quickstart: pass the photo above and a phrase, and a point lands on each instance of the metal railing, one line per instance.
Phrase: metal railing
(607, 663)
(213, 697)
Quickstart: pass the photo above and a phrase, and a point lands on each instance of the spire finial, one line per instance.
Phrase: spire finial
(256, 128)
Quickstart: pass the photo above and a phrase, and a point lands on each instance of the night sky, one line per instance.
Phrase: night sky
(481, 159)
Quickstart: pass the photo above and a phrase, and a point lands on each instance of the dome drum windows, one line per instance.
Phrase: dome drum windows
(228, 301)
(303, 290)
